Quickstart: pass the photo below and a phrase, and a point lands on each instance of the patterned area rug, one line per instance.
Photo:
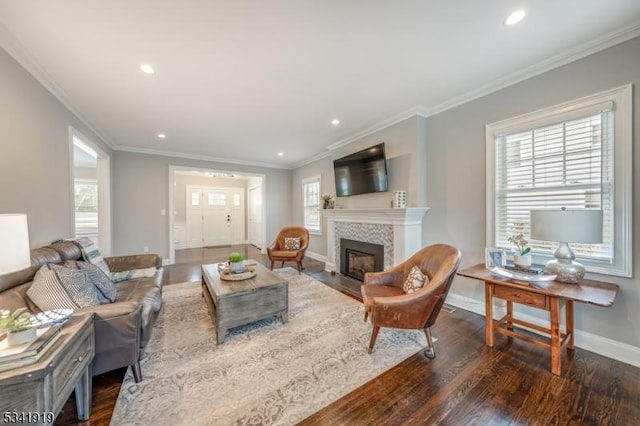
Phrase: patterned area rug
(264, 373)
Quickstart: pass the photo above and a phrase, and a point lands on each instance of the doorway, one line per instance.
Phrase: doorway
(215, 216)
(91, 191)
(255, 216)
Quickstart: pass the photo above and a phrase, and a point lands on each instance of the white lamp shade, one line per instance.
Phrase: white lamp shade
(14, 250)
(569, 226)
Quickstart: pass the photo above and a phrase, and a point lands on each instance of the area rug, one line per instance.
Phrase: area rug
(264, 373)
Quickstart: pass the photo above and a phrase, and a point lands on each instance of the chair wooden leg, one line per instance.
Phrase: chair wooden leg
(366, 315)
(272, 265)
(299, 267)
(282, 265)
(430, 352)
(374, 336)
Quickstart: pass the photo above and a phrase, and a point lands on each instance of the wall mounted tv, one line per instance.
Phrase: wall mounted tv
(362, 172)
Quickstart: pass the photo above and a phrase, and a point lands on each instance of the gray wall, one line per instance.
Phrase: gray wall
(456, 173)
(406, 171)
(34, 153)
(452, 177)
(140, 192)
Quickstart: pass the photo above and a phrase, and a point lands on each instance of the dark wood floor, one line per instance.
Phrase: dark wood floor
(467, 382)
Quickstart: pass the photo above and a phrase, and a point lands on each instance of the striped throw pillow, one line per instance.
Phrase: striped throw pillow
(91, 254)
(57, 287)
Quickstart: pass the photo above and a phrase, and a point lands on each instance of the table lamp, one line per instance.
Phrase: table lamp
(566, 226)
(14, 250)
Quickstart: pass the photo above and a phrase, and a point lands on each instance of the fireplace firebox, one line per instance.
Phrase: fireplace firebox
(359, 257)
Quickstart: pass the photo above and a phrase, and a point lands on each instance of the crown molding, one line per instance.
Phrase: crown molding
(417, 111)
(21, 55)
(200, 157)
(578, 52)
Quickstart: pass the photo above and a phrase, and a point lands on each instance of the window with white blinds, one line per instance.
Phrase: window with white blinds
(311, 204)
(565, 156)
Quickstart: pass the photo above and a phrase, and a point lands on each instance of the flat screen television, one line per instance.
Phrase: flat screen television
(362, 172)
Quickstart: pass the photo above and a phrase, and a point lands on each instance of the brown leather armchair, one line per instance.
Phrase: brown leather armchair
(277, 251)
(389, 306)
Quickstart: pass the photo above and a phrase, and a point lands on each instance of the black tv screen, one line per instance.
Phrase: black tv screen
(362, 172)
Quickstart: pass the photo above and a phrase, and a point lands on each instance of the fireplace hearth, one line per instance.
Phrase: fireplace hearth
(359, 257)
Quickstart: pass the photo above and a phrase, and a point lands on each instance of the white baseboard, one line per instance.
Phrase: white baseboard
(601, 345)
(315, 256)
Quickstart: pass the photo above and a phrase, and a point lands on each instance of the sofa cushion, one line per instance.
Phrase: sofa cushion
(91, 254)
(414, 281)
(107, 290)
(56, 287)
(291, 243)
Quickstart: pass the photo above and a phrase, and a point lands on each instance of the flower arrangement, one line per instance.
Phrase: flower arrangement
(13, 322)
(521, 243)
(327, 198)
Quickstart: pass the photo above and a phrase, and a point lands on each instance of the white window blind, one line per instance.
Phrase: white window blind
(568, 164)
(311, 203)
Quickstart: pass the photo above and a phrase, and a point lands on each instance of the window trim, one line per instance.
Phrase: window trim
(622, 99)
(306, 181)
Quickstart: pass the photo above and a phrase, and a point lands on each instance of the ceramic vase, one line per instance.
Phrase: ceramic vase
(522, 261)
(237, 267)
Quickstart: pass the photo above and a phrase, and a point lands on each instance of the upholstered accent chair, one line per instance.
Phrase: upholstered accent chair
(289, 246)
(388, 304)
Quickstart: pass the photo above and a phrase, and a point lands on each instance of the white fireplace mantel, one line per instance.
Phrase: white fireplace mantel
(406, 224)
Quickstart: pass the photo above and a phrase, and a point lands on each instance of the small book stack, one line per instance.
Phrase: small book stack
(29, 353)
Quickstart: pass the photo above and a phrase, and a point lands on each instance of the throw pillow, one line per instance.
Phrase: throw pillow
(91, 254)
(107, 290)
(414, 281)
(134, 273)
(291, 243)
(57, 287)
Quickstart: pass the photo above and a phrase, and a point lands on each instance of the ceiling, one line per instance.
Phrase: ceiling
(242, 81)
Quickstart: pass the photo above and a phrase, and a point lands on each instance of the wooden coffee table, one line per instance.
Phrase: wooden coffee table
(234, 303)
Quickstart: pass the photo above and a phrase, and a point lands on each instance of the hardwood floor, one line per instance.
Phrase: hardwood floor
(467, 382)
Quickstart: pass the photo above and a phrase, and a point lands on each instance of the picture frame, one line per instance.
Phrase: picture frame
(495, 257)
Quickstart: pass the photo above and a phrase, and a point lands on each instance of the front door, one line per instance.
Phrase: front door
(215, 216)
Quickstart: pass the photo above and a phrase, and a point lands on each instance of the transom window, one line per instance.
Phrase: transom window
(565, 156)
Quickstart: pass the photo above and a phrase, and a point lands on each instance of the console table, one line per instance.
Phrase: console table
(36, 393)
(548, 296)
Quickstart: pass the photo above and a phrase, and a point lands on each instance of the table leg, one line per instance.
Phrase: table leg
(83, 394)
(555, 334)
(509, 315)
(569, 319)
(488, 309)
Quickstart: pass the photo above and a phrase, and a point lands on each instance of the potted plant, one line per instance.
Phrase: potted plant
(18, 326)
(522, 257)
(327, 201)
(235, 261)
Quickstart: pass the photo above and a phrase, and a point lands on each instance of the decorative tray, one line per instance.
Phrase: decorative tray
(521, 275)
(227, 275)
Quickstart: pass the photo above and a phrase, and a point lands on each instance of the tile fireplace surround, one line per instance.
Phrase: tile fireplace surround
(398, 230)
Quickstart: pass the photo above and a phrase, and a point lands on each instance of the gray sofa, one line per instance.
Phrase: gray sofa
(122, 328)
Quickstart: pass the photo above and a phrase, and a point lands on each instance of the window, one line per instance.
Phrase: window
(216, 199)
(311, 204)
(569, 156)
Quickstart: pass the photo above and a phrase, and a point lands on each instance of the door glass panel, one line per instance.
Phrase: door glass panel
(195, 198)
(216, 199)
(236, 200)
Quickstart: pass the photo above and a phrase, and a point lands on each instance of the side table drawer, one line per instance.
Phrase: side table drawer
(66, 373)
(521, 296)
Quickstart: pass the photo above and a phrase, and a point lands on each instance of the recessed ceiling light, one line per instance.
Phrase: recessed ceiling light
(515, 17)
(162, 136)
(280, 154)
(146, 68)
(335, 121)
